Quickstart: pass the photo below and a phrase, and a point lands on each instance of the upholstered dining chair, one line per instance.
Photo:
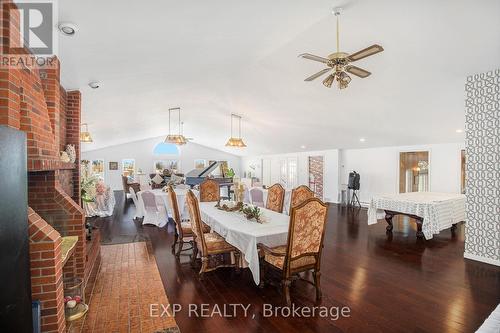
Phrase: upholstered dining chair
(183, 232)
(275, 198)
(299, 195)
(211, 246)
(209, 191)
(303, 249)
(257, 197)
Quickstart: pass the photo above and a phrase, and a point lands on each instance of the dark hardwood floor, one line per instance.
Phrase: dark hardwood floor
(391, 283)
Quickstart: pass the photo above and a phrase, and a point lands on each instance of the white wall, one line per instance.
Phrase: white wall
(331, 172)
(142, 152)
(379, 168)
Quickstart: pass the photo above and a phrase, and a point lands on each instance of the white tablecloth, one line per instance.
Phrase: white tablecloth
(286, 204)
(162, 199)
(438, 210)
(244, 234)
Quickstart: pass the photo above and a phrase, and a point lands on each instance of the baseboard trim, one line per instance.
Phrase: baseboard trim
(482, 259)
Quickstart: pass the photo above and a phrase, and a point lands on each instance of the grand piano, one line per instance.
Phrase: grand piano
(213, 171)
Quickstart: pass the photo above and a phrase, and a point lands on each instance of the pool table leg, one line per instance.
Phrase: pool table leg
(388, 219)
(420, 234)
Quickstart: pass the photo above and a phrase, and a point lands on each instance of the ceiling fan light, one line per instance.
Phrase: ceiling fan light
(329, 81)
(343, 84)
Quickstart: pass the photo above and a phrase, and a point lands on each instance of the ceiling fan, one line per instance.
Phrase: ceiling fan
(340, 62)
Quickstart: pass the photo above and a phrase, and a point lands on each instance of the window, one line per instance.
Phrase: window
(128, 167)
(288, 172)
(200, 164)
(160, 165)
(98, 168)
(166, 149)
(166, 157)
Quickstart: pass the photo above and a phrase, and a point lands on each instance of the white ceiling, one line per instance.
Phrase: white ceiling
(216, 57)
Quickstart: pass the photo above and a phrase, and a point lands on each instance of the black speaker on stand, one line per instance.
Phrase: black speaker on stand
(353, 185)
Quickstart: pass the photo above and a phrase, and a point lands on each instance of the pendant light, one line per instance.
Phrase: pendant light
(177, 139)
(238, 141)
(85, 134)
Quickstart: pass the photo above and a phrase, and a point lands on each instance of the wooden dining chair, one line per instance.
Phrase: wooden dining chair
(209, 191)
(299, 195)
(303, 249)
(211, 246)
(183, 232)
(275, 198)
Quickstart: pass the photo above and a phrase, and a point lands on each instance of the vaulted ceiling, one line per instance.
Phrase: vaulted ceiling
(218, 57)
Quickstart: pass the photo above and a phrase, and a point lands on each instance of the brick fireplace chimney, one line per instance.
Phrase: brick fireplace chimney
(32, 100)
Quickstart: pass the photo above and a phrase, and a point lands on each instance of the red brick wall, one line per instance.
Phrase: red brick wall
(73, 120)
(46, 272)
(48, 199)
(65, 178)
(62, 119)
(52, 92)
(9, 80)
(33, 101)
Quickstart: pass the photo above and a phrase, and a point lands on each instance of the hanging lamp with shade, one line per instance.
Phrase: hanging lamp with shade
(85, 134)
(178, 138)
(235, 141)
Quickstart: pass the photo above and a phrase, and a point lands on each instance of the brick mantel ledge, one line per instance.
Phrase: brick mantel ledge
(35, 165)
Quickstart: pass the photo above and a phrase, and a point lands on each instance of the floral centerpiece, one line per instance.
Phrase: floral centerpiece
(229, 206)
(252, 212)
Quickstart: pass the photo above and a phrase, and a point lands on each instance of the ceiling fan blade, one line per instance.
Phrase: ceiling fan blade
(314, 57)
(318, 74)
(357, 71)
(370, 50)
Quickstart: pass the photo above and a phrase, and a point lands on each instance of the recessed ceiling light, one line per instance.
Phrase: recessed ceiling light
(67, 28)
(362, 139)
(303, 147)
(459, 130)
(94, 84)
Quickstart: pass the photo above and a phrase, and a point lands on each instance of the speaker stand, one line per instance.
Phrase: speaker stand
(355, 199)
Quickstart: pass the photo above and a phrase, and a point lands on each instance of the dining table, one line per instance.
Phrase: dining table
(245, 234)
(162, 200)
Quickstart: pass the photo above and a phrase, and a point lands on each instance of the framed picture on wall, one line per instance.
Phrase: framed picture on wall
(200, 164)
(113, 165)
